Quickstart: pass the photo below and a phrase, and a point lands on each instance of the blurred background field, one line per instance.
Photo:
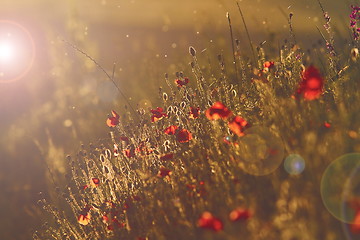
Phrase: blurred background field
(64, 99)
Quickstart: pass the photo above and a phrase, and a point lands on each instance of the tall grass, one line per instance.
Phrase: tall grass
(208, 162)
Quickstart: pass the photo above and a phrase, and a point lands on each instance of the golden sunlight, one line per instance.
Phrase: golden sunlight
(7, 52)
(17, 51)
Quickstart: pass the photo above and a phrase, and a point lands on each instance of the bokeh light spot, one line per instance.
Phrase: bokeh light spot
(68, 123)
(145, 104)
(294, 164)
(340, 186)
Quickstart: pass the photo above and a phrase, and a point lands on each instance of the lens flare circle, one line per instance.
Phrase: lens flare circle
(17, 51)
(261, 151)
(340, 186)
(294, 164)
(352, 230)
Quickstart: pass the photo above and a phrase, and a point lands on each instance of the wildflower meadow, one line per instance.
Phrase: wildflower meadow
(259, 142)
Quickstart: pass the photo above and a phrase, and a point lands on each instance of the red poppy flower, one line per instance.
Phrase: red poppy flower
(217, 111)
(105, 219)
(129, 152)
(237, 125)
(311, 86)
(355, 225)
(268, 64)
(164, 172)
(84, 219)
(181, 83)
(158, 114)
(183, 136)
(95, 182)
(84, 216)
(327, 125)
(194, 112)
(166, 157)
(208, 221)
(171, 130)
(239, 214)
(114, 120)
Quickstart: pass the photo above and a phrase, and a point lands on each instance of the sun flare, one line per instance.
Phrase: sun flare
(17, 51)
(7, 51)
